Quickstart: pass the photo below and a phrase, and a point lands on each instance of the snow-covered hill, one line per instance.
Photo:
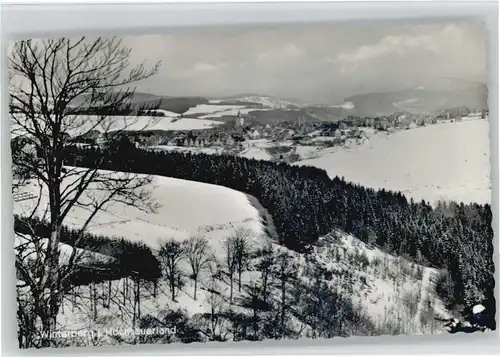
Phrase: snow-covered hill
(26, 249)
(242, 106)
(394, 295)
(184, 209)
(446, 161)
(256, 153)
(81, 124)
(214, 110)
(264, 101)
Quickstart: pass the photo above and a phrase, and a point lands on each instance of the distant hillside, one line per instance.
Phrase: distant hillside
(260, 101)
(419, 100)
(268, 116)
(327, 113)
(173, 104)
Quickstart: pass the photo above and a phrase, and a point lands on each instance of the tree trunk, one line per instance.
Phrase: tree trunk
(195, 286)
(48, 327)
(230, 289)
(134, 315)
(239, 280)
(264, 287)
(283, 302)
(255, 321)
(125, 290)
(138, 299)
(94, 293)
(108, 304)
(73, 300)
(172, 287)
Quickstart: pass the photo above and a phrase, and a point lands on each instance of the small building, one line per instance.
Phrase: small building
(383, 124)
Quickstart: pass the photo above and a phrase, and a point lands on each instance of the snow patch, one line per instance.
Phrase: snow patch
(447, 161)
(185, 208)
(256, 153)
(82, 124)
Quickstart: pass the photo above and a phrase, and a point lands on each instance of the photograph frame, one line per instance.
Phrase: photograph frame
(68, 20)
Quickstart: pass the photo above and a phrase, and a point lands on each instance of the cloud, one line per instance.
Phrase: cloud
(199, 69)
(390, 45)
(204, 67)
(317, 63)
(414, 55)
(287, 52)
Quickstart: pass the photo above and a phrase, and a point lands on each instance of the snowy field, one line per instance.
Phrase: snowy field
(188, 149)
(346, 105)
(184, 209)
(447, 161)
(233, 112)
(256, 153)
(82, 124)
(212, 109)
(265, 101)
(217, 110)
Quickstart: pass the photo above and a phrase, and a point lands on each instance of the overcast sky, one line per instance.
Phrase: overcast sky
(315, 62)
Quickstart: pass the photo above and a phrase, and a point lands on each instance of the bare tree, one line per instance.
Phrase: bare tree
(199, 256)
(215, 304)
(230, 262)
(285, 271)
(171, 254)
(50, 83)
(242, 251)
(265, 266)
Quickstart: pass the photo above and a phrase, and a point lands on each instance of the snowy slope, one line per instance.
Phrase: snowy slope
(83, 123)
(396, 294)
(232, 112)
(256, 153)
(188, 149)
(346, 105)
(265, 101)
(447, 161)
(212, 109)
(166, 113)
(27, 249)
(184, 208)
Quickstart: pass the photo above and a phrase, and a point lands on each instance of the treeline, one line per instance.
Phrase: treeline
(133, 259)
(306, 204)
